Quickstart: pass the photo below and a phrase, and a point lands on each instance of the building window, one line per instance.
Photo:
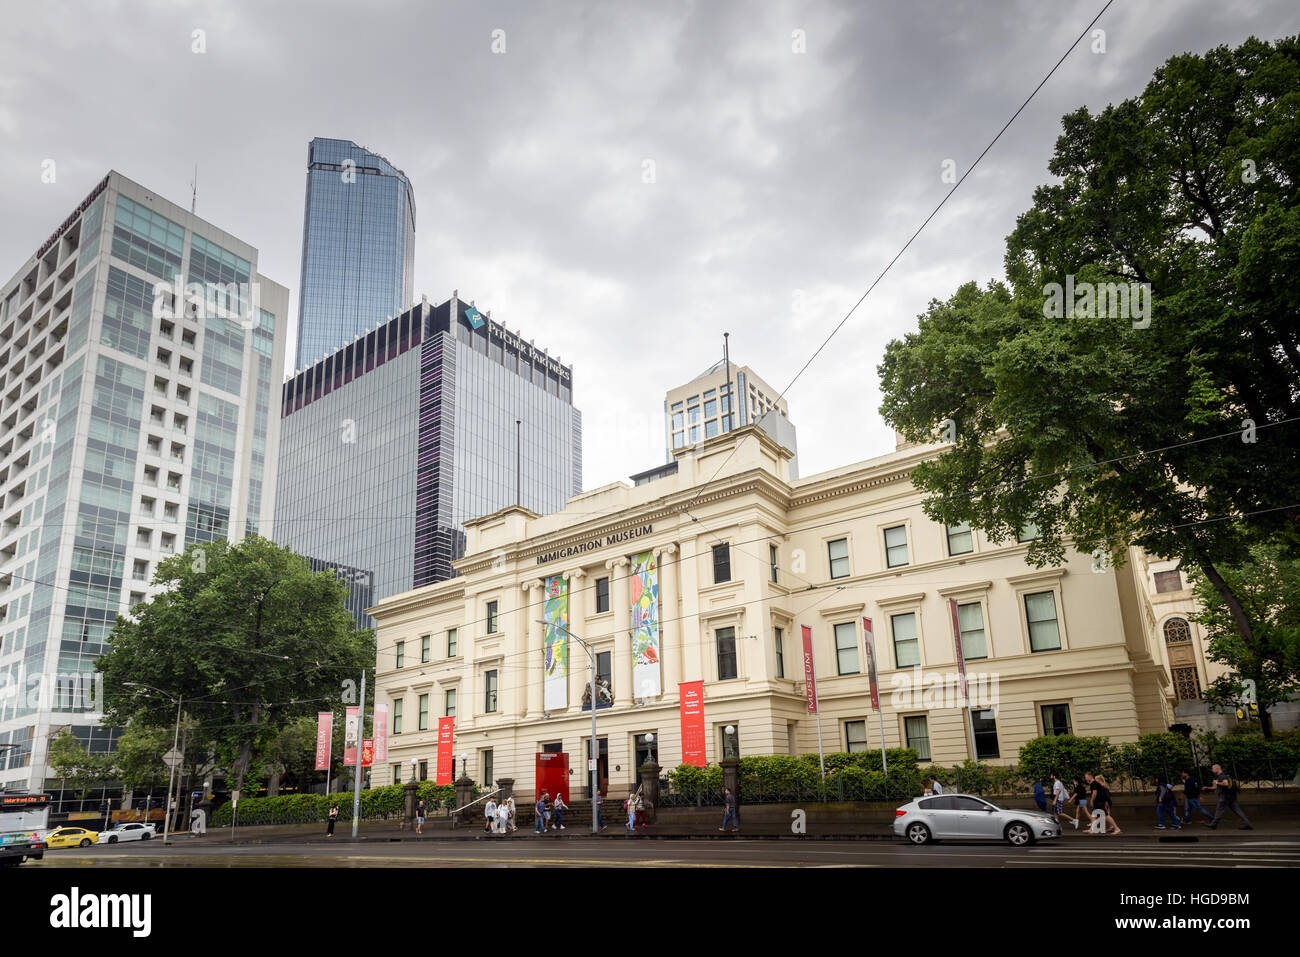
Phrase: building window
(489, 692)
(846, 648)
(397, 715)
(1169, 581)
(986, 734)
(721, 563)
(780, 653)
(451, 642)
(493, 625)
(679, 440)
(424, 770)
(487, 768)
(1056, 719)
(401, 654)
(426, 648)
(896, 546)
(726, 653)
(907, 651)
(1040, 611)
(1028, 532)
(678, 423)
(730, 742)
(917, 732)
(602, 595)
(710, 406)
(855, 736)
(839, 552)
(970, 621)
(695, 433)
(961, 540)
(605, 668)
(424, 712)
(397, 773)
(772, 556)
(711, 428)
(449, 703)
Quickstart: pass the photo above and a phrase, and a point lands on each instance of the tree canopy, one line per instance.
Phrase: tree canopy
(247, 637)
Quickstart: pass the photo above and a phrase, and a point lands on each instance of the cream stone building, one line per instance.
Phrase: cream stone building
(744, 558)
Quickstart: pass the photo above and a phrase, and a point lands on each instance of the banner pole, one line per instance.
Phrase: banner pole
(361, 733)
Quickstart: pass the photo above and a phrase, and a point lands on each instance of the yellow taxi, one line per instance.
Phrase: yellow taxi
(71, 837)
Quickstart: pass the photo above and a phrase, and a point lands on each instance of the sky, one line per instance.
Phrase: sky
(621, 182)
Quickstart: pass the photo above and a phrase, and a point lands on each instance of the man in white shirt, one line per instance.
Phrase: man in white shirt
(490, 812)
(1059, 796)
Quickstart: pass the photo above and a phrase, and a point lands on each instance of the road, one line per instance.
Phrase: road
(679, 853)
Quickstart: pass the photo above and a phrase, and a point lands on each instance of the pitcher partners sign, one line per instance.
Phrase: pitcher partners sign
(693, 738)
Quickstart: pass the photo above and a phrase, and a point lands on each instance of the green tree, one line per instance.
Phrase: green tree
(138, 760)
(246, 634)
(74, 766)
(1100, 427)
(1268, 587)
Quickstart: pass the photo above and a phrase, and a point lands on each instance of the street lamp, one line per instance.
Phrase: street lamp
(176, 737)
(594, 750)
(729, 730)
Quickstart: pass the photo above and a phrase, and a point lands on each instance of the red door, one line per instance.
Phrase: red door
(552, 774)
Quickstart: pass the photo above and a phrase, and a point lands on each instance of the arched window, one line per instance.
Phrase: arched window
(1182, 664)
(1176, 629)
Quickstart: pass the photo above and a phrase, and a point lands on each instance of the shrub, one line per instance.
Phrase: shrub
(1068, 755)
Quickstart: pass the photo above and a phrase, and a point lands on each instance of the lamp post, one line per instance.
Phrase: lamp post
(171, 771)
(464, 760)
(413, 764)
(593, 752)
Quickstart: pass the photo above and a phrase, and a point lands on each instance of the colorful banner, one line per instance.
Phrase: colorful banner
(693, 738)
(381, 733)
(324, 739)
(446, 759)
(556, 640)
(645, 626)
(809, 671)
(871, 665)
(956, 636)
(351, 732)
(367, 752)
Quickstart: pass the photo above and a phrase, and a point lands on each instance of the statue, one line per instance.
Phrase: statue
(604, 696)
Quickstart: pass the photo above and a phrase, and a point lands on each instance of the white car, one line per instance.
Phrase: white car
(127, 832)
(964, 817)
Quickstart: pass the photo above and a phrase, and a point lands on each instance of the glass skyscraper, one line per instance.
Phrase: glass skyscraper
(358, 246)
(132, 423)
(390, 444)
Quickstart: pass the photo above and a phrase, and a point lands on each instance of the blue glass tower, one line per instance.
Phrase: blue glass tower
(358, 246)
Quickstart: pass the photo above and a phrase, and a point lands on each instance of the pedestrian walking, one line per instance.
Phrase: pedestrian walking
(640, 821)
(1192, 798)
(630, 807)
(333, 816)
(1225, 789)
(559, 807)
(419, 816)
(1040, 795)
(510, 808)
(1080, 800)
(729, 813)
(935, 786)
(1060, 794)
(490, 813)
(503, 818)
(600, 819)
(1166, 803)
(1102, 803)
(540, 809)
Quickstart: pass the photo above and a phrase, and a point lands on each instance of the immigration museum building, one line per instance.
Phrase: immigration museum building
(710, 573)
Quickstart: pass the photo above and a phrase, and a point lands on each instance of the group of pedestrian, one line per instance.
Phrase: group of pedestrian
(932, 786)
(545, 809)
(636, 806)
(1090, 797)
(1225, 791)
(499, 817)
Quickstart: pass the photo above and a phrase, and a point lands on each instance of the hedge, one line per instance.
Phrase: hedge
(376, 803)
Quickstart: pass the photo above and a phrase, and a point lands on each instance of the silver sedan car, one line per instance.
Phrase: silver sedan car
(964, 817)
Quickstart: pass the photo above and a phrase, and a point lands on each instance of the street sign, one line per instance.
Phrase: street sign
(234, 796)
(591, 765)
(173, 759)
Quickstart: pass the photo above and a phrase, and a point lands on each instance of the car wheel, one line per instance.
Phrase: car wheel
(85, 842)
(918, 833)
(1018, 834)
(112, 840)
(145, 836)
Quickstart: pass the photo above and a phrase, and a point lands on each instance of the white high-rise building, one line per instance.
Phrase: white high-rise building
(140, 358)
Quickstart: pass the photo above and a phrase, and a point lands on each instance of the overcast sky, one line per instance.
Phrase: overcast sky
(783, 181)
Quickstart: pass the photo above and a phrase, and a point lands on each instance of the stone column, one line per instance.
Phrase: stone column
(408, 819)
(516, 701)
(688, 578)
(533, 668)
(465, 794)
(731, 779)
(670, 625)
(622, 678)
(578, 666)
(650, 786)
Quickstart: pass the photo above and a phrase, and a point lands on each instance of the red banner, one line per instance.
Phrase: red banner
(351, 732)
(381, 733)
(956, 637)
(367, 753)
(446, 760)
(324, 739)
(871, 665)
(809, 671)
(691, 694)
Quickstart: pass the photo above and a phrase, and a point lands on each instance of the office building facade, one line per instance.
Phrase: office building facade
(392, 443)
(722, 600)
(139, 354)
(701, 410)
(358, 246)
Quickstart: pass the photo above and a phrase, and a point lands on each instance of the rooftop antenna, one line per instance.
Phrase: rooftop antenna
(194, 189)
(731, 396)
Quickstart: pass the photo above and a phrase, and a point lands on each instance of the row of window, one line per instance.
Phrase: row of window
(916, 731)
(422, 708)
